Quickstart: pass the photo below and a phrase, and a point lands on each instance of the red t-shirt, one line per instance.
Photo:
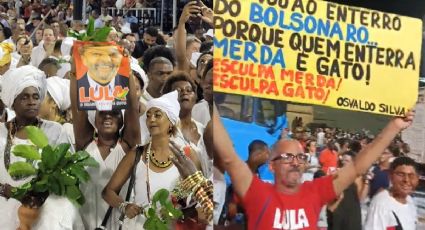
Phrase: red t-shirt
(268, 209)
(329, 161)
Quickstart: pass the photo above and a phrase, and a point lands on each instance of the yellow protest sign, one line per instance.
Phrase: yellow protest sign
(317, 52)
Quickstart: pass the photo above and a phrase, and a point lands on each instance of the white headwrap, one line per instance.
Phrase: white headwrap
(138, 69)
(169, 104)
(58, 89)
(16, 80)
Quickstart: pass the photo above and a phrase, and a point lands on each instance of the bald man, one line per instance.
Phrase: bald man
(289, 203)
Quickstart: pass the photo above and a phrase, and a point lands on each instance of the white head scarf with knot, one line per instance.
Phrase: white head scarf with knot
(167, 103)
(142, 74)
(16, 80)
(58, 89)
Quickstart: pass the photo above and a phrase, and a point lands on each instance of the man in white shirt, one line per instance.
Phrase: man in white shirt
(45, 48)
(394, 208)
(159, 70)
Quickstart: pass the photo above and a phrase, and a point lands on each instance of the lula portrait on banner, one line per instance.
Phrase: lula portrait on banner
(102, 75)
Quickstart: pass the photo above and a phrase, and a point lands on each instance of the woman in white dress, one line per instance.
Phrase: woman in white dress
(189, 131)
(108, 148)
(155, 167)
(23, 91)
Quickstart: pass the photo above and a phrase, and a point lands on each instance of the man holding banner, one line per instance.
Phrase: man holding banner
(290, 204)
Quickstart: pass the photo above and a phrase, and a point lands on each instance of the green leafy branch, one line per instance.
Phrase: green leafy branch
(161, 212)
(58, 171)
(92, 34)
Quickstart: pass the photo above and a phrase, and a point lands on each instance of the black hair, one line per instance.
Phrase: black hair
(48, 61)
(319, 174)
(355, 146)
(157, 51)
(254, 145)
(152, 31)
(6, 31)
(208, 67)
(399, 161)
(124, 36)
(206, 46)
(175, 77)
(58, 45)
(203, 54)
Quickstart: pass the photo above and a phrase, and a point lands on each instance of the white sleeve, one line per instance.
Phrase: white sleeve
(378, 216)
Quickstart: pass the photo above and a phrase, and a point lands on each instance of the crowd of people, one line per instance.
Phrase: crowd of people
(367, 192)
(162, 140)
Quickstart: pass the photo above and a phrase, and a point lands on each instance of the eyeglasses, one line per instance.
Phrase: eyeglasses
(289, 157)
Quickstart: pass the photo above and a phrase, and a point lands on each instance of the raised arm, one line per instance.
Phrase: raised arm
(240, 174)
(83, 130)
(131, 136)
(189, 10)
(370, 153)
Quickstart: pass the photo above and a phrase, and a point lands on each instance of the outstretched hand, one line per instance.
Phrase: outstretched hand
(185, 165)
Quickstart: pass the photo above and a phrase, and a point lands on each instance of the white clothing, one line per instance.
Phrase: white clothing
(219, 193)
(146, 97)
(69, 130)
(321, 139)
(93, 211)
(15, 60)
(167, 179)
(199, 148)
(9, 208)
(308, 175)
(38, 54)
(53, 218)
(201, 112)
(380, 215)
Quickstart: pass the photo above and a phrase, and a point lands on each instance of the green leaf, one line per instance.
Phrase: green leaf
(79, 172)
(26, 151)
(41, 185)
(149, 224)
(90, 27)
(151, 212)
(67, 179)
(101, 34)
(41, 167)
(54, 186)
(37, 136)
(91, 162)
(61, 150)
(21, 169)
(80, 156)
(48, 157)
(73, 192)
(80, 201)
(19, 192)
(161, 196)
